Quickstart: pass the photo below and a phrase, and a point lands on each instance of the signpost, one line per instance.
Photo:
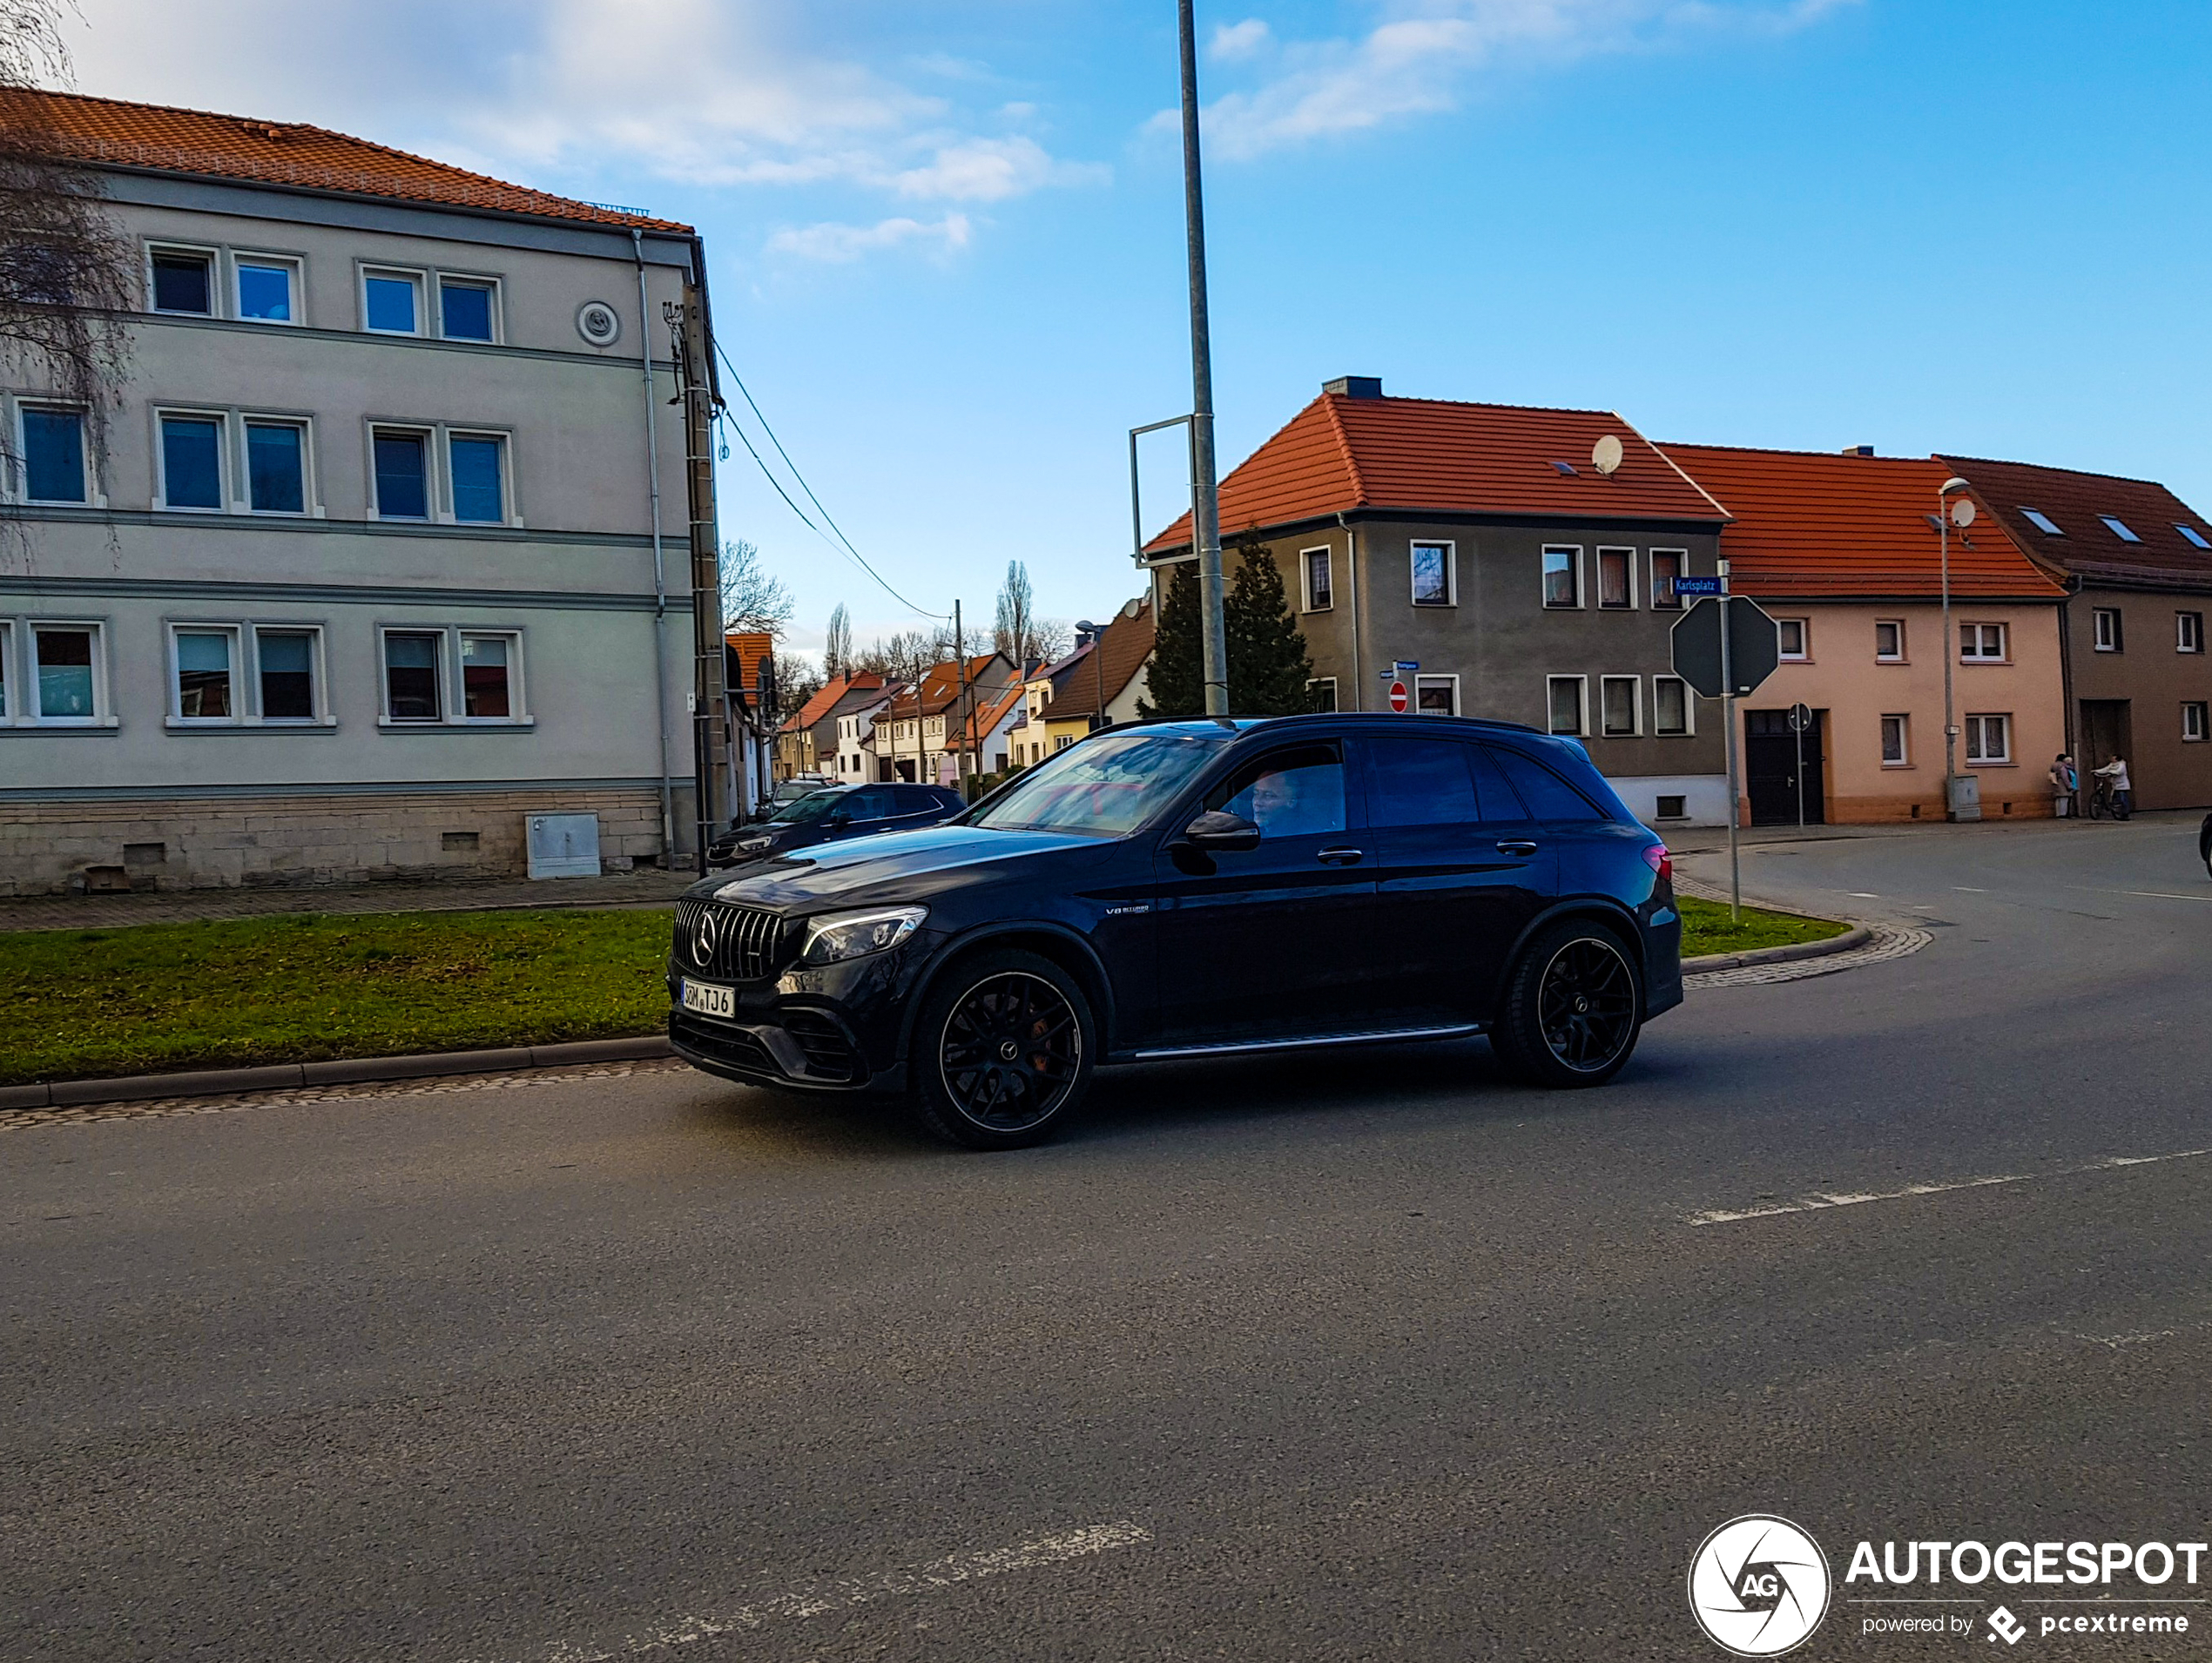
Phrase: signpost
(1724, 647)
(1800, 720)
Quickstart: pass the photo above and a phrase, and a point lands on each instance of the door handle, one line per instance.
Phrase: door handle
(1341, 857)
(1516, 846)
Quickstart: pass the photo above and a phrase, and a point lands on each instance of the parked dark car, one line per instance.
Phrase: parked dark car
(834, 813)
(1185, 889)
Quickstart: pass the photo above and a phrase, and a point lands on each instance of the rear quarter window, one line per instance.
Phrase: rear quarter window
(1549, 797)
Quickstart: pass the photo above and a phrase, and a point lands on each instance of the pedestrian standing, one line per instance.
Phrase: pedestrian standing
(2064, 781)
(2123, 796)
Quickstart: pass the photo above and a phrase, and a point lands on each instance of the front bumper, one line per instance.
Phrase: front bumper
(838, 1028)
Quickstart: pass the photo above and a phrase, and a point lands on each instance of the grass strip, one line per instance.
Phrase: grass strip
(1706, 928)
(78, 1004)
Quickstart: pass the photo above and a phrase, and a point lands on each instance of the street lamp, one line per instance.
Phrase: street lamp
(1964, 509)
(1084, 626)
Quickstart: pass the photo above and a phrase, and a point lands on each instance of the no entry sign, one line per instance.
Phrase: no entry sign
(1398, 696)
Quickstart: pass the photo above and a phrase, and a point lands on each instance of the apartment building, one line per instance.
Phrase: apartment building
(364, 577)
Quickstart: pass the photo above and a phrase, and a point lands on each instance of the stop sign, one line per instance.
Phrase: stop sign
(1398, 696)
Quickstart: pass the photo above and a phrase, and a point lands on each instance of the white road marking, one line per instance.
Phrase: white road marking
(1820, 1203)
(817, 1599)
(1864, 895)
(2160, 895)
(1968, 889)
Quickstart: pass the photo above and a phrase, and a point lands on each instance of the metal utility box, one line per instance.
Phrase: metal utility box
(1965, 796)
(565, 845)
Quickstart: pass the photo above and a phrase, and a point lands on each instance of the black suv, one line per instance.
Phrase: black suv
(835, 811)
(1194, 888)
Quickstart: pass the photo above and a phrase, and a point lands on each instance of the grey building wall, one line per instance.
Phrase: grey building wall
(2141, 690)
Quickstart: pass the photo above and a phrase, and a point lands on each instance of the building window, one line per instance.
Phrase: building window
(53, 454)
(2193, 721)
(182, 282)
(1319, 596)
(1989, 738)
(2193, 537)
(1431, 565)
(206, 686)
(2188, 632)
(1562, 577)
(1061, 741)
(1321, 693)
(287, 674)
(1616, 698)
(68, 660)
(2105, 628)
(1616, 578)
(1981, 643)
(479, 494)
(2042, 523)
(276, 466)
(267, 289)
(392, 302)
(1896, 741)
(1436, 695)
(488, 667)
(1670, 706)
(1889, 640)
(1666, 567)
(1567, 695)
(402, 478)
(191, 462)
(2118, 529)
(411, 691)
(1795, 637)
(467, 309)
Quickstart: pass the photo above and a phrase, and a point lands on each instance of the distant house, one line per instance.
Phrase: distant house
(2136, 563)
(912, 732)
(809, 742)
(853, 761)
(986, 737)
(1098, 684)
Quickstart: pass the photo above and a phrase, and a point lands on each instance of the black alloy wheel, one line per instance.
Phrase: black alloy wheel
(1572, 1010)
(1002, 1050)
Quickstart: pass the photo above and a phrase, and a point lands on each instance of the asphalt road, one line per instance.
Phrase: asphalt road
(1374, 1356)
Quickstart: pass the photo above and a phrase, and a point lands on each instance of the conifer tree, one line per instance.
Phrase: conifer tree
(1268, 667)
(1176, 684)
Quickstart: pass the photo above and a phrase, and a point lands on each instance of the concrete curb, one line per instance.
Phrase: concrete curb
(213, 1082)
(1858, 936)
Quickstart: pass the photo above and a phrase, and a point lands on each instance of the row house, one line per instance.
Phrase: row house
(813, 742)
(919, 728)
(1100, 683)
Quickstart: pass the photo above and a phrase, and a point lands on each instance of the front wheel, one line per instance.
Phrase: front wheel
(1002, 1051)
(1573, 1008)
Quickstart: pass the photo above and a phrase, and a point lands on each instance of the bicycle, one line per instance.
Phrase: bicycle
(2104, 803)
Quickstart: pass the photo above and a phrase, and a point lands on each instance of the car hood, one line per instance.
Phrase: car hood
(890, 868)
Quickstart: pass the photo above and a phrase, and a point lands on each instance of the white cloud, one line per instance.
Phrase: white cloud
(840, 244)
(1425, 53)
(1234, 41)
(989, 170)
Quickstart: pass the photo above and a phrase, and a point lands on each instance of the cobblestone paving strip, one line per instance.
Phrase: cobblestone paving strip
(27, 1119)
(1890, 941)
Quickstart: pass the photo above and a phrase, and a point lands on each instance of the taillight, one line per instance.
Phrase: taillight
(1656, 858)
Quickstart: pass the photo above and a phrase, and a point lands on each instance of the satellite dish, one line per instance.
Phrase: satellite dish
(1605, 455)
(1962, 513)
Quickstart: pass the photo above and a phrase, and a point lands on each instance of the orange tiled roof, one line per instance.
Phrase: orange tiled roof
(1123, 646)
(1811, 524)
(1342, 453)
(940, 687)
(752, 648)
(2076, 503)
(162, 139)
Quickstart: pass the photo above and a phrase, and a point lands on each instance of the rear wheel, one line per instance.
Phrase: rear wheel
(1002, 1051)
(1573, 1008)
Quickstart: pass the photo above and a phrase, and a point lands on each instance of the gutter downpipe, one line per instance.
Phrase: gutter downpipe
(1351, 585)
(660, 572)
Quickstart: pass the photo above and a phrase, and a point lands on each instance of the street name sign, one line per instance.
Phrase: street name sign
(1694, 586)
(1754, 646)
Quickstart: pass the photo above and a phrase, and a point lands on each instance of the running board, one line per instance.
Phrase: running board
(1457, 1031)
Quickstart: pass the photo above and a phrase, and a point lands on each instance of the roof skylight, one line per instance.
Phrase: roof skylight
(2043, 522)
(2195, 537)
(1566, 469)
(2118, 529)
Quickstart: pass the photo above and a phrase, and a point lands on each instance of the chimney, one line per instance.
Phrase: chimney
(1355, 387)
(1858, 450)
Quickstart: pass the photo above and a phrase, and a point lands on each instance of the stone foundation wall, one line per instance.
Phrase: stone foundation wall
(213, 843)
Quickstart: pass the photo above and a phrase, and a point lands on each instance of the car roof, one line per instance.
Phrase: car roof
(1239, 725)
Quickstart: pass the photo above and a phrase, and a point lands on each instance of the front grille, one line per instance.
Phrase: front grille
(729, 943)
(829, 1053)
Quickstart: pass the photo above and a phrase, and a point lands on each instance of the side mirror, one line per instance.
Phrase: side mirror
(1217, 832)
(840, 820)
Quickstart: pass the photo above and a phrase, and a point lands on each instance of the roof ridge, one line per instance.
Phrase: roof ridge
(1659, 451)
(2047, 467)
(1785, 450)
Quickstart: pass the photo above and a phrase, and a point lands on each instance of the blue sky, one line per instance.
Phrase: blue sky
(946, 246)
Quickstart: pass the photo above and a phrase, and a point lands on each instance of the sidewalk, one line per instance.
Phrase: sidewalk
(643, 888)
(1713, 839)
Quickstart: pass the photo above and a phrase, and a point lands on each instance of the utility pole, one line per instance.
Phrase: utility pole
(710, 739)
(1728, 734)
(1206, 509)
(967, 712)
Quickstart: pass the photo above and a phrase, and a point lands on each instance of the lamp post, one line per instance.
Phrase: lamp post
(1965, 511)
(1205, 516)
(1084, 626)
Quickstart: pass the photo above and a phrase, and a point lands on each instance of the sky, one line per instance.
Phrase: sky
(945, 237)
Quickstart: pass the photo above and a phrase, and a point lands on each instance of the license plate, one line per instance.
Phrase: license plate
(710, 1000)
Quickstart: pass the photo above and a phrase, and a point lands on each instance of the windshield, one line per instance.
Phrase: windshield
(1104, 787)
(816, 806)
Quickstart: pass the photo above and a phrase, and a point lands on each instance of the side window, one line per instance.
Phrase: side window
(1297, 793)
(878, 803)
(1421, 781)
(1549, 797)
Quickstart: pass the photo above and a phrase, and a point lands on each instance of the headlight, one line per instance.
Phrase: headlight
(751, 844)
(854, 935)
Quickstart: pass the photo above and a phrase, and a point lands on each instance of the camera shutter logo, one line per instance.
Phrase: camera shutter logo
(1758, 1586)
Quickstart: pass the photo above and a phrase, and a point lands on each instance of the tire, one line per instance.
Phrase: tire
(1541, 1036)
(1002, 1051)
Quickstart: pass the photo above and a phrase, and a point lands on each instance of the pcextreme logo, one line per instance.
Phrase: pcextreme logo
(1758, 1586)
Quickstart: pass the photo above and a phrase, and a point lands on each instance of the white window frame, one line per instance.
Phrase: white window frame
(517, 700)
(234, 633)
(1629, 555)
(1574, 567)
(2195, 715)
(1899, 656)
(1450, 572)
(419, 276)
(1688, 728)
(2002, 656)
(2101, 638)
(1581, 706)
(2188, 632)
(1681, 557)
(310, 499)
(470, 279)
(234, 297)
(1980, 734)
(19, 646)
(505, 439)
(1329, 681)
(319, 679)
(215, 281)
(1451, 683)
(432, 486)
(440, 667)
(225, 463)
(452, 693)
(1306, 578)
(1904, 720)
(1804, 653)
(15, 486)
